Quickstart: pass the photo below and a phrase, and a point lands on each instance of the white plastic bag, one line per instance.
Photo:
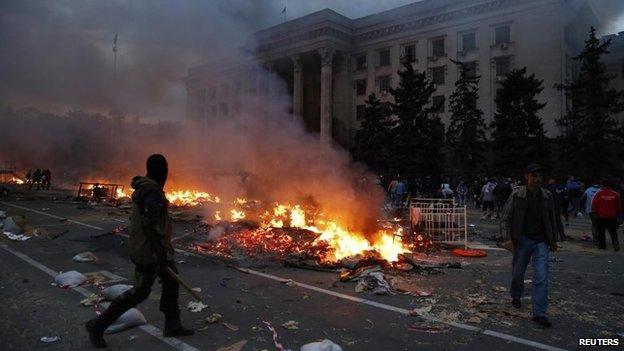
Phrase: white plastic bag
(86, 256)
(325, 345)
(71, 279)
(112, 292)
(131, 318)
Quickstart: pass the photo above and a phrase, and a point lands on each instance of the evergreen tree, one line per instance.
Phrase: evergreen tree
(592, 142)
(418, 137)
(371, 140)
(466, 133)
(518, 134)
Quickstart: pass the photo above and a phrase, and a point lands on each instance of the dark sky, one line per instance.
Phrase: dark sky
(57, 55)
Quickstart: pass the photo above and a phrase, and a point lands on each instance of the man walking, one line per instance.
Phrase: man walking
(606, 208)
(151, 251)
(528, 221)
(588, 197)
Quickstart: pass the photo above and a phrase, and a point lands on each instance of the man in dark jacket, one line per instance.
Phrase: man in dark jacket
(528, 221)
(151, 252)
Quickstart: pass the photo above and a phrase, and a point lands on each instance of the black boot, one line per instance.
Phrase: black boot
(173, 327)
(96, 333)
(97, 326)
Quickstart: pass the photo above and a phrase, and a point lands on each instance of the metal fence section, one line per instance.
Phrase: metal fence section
(440, 220)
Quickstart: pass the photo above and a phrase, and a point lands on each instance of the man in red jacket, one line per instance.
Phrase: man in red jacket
(606, 206)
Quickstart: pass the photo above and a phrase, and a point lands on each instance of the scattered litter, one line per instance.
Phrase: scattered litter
(234, 347)
(196, 289)
(196, 306)
(132, 337)
(3, 214)
(555, 259)
(70, 279)
(86, 256)
(428, 328)
(528, 281)
(325, 345)
(16, 237)
(49, 339)
(403, 266)
(214, 318)
(449, 316)
(375, 282)
(230, 326)
(14, 224)
(371, 324)
(131, 318)
(306, 296)
(278, 345)
(474, 320)
(422, 311)
(291, 325)
(112, 292)
(181, 262)
(499, 288)
(45, 209)
(290, 283)
(92, 300)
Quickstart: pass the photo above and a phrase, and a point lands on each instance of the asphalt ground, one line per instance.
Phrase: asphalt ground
(469, 306)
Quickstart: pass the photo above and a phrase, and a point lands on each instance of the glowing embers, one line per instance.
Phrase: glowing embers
(291, 229)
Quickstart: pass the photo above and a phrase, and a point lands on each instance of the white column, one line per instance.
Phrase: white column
(297, 86)
(327, 55)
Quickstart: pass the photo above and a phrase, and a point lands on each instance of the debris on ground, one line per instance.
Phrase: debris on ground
(469, 253)
(291, 283)
(429, 327)
(214, 318)
(113, 291)
(14, 225)
(70, 279)
(16, 237)
(92, 300)
(499, 288)
(86, 256)
(234, 347)
(131, 318)
(291, 325)
(324, 345)
(375, 282)
(422, 311)
(50, 339)
(230, 326)
(196, 306)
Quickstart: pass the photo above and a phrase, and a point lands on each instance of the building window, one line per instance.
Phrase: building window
(360, 86)
(502, 66)
(384, 84)
(408, 53)
(359, 112)
(360, 62)
(470, 69)
(437, 74)
(437, 47)
(384, 58)
(469, 41)
(437, 103)
(502, 35)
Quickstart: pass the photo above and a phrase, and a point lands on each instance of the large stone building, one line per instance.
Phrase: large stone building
(331, 63)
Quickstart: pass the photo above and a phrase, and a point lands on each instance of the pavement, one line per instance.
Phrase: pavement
(469, 306)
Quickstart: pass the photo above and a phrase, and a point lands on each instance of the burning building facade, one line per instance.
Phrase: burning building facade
(329, 63)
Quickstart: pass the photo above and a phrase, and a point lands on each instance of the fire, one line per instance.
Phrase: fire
(16, 180)
(120, 193)
(190, 197)
(340, 242)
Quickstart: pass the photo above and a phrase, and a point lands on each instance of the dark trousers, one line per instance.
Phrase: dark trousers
(536, 252)
(603, 224)
(144, 277)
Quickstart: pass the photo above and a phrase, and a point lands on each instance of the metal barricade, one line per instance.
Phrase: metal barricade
(440, 220)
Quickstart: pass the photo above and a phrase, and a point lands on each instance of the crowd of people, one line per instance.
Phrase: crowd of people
(41, 178)
(572, 198)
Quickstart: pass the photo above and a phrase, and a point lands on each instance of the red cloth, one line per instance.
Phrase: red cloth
(606, 203)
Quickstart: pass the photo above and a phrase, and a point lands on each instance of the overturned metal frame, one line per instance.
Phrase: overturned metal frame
(440, 219)
(87, 190)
